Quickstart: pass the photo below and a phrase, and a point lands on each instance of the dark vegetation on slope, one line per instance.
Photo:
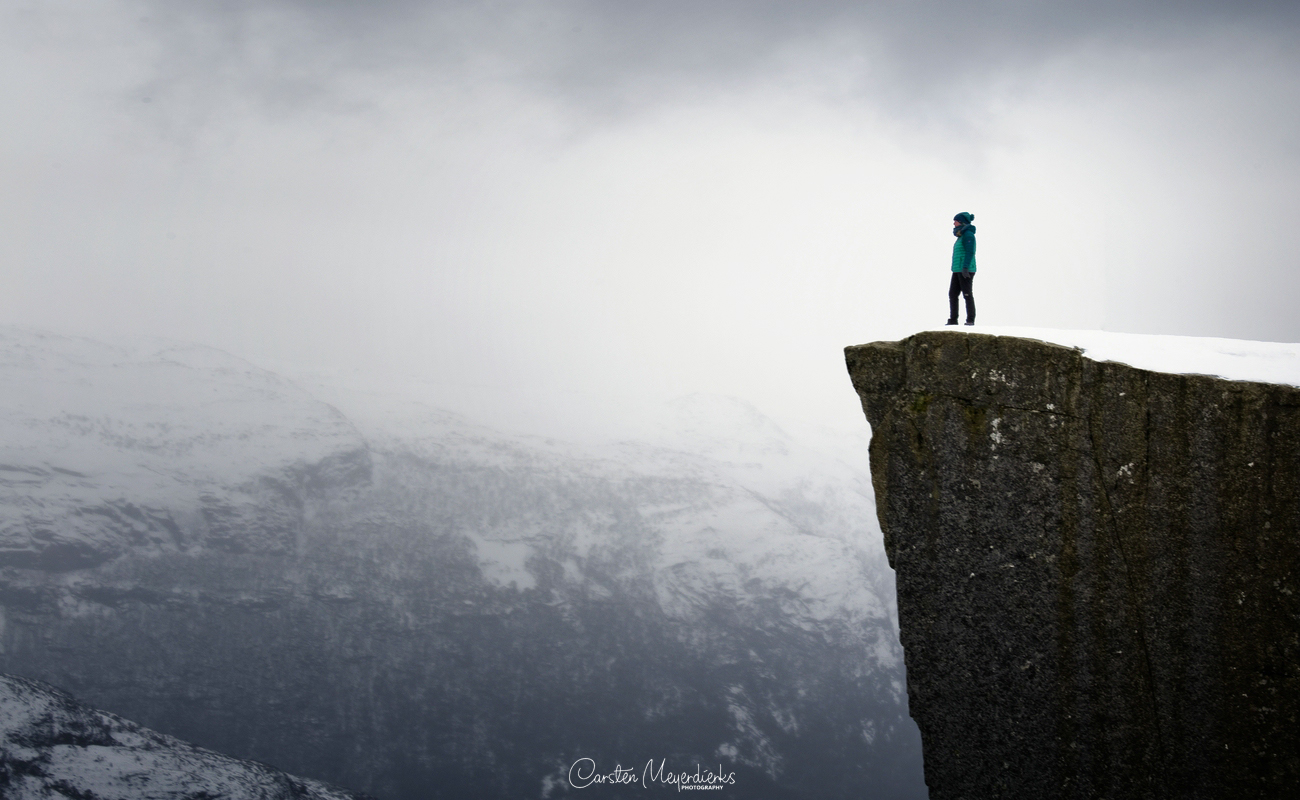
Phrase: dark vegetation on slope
(369, 649)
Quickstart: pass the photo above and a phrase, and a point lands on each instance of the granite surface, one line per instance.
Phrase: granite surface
(1096, 569)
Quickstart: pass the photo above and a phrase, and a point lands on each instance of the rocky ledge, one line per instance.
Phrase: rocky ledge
(1096, 567)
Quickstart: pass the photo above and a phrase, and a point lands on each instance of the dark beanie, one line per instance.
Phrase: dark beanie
(965, 218)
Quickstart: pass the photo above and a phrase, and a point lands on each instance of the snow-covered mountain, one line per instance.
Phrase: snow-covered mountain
(362, 588)
(154, 449)
(53, 747)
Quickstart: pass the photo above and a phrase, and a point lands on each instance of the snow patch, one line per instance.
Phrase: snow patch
(505, 563)
(1233, 359)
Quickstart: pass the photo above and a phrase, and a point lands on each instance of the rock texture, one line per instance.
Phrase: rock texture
(53, 748)
(1097, 569)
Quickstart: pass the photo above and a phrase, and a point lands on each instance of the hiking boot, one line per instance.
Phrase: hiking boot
(951, 322)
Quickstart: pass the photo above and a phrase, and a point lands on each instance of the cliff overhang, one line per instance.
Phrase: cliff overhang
(1096, 568)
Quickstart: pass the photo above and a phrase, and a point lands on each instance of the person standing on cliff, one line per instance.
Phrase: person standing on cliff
(963, 267)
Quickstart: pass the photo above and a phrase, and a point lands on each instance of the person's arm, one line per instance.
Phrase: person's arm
(968, 250)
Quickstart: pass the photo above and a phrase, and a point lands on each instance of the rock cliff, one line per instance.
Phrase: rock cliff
(1097, 569)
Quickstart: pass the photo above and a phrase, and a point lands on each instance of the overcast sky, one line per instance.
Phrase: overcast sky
(568, 209)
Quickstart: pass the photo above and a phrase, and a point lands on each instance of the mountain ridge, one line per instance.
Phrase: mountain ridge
(442, 600)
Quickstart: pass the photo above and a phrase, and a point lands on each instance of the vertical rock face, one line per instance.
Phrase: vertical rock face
(1096, 566)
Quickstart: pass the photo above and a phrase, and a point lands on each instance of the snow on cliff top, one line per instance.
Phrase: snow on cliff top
(1233, 359)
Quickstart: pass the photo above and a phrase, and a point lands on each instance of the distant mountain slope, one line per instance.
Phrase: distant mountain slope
(365, 589)
(53, 748)
(157, 449)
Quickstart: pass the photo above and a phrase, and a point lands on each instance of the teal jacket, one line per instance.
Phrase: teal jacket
(963, 250)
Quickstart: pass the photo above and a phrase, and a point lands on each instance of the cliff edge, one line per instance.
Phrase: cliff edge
(1096, 569)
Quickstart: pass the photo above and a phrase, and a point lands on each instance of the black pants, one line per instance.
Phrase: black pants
(961, 284)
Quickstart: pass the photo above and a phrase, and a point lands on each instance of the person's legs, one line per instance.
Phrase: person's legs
(954, 289)
(968, 291)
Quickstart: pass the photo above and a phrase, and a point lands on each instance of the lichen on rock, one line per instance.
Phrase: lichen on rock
(1096, 569)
